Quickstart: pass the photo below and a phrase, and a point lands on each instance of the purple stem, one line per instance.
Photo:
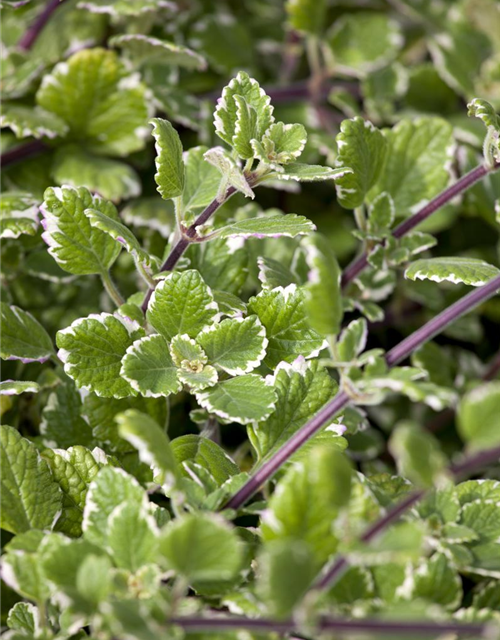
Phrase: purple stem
(22, 151)
(31, 34)
(461, 185)
(180, 247)
(395, 355)
(340, 625)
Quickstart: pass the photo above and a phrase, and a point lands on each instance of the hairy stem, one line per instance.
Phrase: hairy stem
(112, 289)
(341, 625)
(395, 355)
(183, 243)
(22, 151)
(31, 34)
(465, 182)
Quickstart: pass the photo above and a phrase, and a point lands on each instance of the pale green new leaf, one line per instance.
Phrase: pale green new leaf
(150, 213)
(381, 215)
(24, 617)
(418, 159)
(18, 214)
(23, 573)
(281, 144)
(23, 337)
(201, 548)
(323, 296)
(100, 103)
(119, 232)
(206, 453)
(184, 351)
(352, 340)
(73, 243)
(485, 112)
(149, 368)
(299, 172)
(230, 171)
(307, 502)
(245, 128)
(363, 148)
(181, 303)
(302, 388)
(170, 172)
(132, 537)
(479, 416)
(226, 116)
(154, 448)
(283, 313)
(142, 48)
(363, 42)
(92, 350)
(236, 345)
(202, 180)
(244, 399)
(112, 179)
(306, 16)
(471, 271)
(32, 121)
(273, 273)
(108, 490)
(30, 497)
(17, 387)
(198, 376)
(274, 226)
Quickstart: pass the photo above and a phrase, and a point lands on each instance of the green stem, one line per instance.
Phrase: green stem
(148, 279)
(360, 217)
(112, 289)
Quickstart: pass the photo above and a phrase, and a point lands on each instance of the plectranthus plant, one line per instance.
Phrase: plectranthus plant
(250, 383)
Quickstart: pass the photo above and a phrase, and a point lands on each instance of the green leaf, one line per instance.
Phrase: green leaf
(73, 469)
(236, 345)
(132, 538)
(307, 502)
(18, 214)
(229, 304)
(202, 180)
(417, 454)
(99, 102)
(150, 213)
(224, 263)
(273, 274)
(362, 42)
(207, 454)
(302, 388)
(32, 121)
(149, 369)
(471, 271)
(226, 113)
(24, 617)
(306, 16)
(73, 243)
(479, 416)
(112, 179)
(417, 166)
(283, 313)
(23, 337)
(485, 112)
(17, 387)
(281, 144)
(198, 376)
(363, 148)
(274, 226)
(119, 232)
(108, 490)
(356, 584)
(62, 423)
(286, 570)
(244, 399)
(143, 48)
(352, 340)
(230, 171)
(170, 172)
(438, 582)
(185, 350)
(299, 172)
(323, 297)
(30, 498)
(125, 7)
(22, 572)
(92, 350)
(201, 548)
(154, 448)
(181, 303)
(245, 128)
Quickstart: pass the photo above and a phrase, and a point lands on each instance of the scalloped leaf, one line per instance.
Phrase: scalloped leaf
(182, 303)
(236, 345)
(299, 172)
(170, 172)
(283, 313)
(281, 144)
(149, 369)
(125, 7)
(92, 350)
(363, 148)
(73, 243)
(99, 102)
(198, 376)
(230, 171)
(485, 112)
(32, 121)
(30, 498)
(119, 232)
(18, 214)
(244, 399)
(270, 225)
(142, 48)
(471, 271)
(23, 337)
(17, 387)
(185, 349)
(205, 453)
